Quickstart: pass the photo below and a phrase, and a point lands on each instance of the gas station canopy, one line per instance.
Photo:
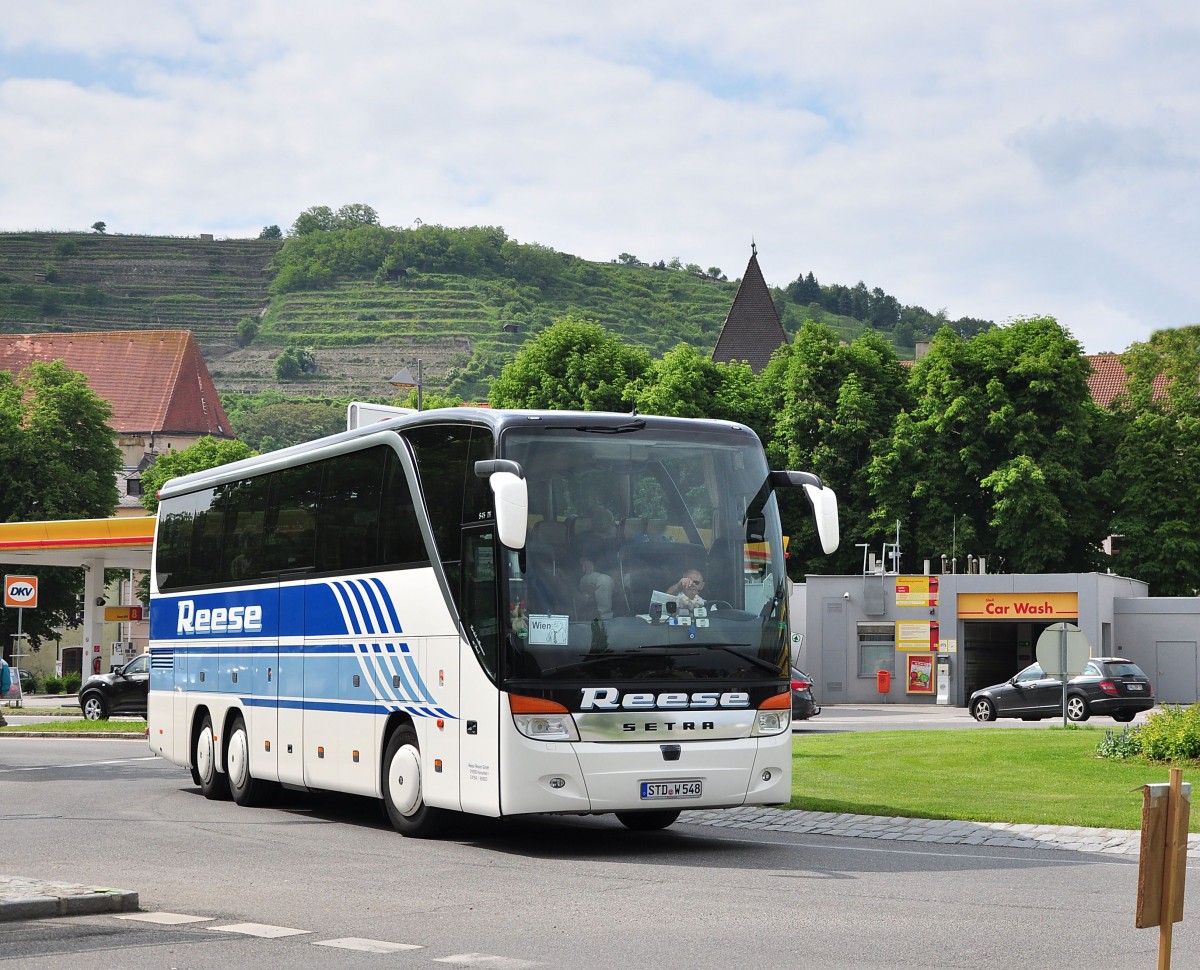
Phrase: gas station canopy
(121, 543)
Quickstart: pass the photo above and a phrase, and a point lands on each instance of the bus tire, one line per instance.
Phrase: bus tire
(213, 784)
(648, 821)
(243, 786)
(403, 800)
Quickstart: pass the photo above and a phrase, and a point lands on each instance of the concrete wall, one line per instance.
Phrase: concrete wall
(1161, 635)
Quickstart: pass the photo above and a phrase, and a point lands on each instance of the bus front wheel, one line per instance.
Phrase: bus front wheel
(648, 821)
(212, 783)
(403, 798)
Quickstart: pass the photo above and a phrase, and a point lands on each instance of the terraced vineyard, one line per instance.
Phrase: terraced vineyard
(463, 329)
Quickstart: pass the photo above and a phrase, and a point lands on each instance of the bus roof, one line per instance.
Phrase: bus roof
(495, 419)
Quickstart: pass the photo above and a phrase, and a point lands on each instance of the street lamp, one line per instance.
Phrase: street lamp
(404, 380)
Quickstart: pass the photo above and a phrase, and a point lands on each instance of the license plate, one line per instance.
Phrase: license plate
(1133, 686)
(672, 789)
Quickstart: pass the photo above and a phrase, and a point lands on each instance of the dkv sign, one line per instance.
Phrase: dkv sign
(20, 591)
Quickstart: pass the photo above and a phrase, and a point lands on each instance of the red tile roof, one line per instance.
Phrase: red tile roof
(1108, 378)
(155, 380)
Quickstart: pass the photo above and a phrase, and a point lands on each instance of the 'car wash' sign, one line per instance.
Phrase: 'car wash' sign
(1017, 606)
(20, 591)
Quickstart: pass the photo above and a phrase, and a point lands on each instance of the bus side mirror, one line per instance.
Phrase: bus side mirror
(825, 511)
(512, 508)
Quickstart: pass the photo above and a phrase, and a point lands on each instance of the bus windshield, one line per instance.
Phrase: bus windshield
(653, 555)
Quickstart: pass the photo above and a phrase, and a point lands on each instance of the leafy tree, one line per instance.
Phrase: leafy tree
(573, 364)
(294, 363)
(288, 423)
(208, 452)
(100, 227)
(271, 232)
(686, 384)
(833, 403)
(628, 259)
(1158, 464)
(1004, 448)
(318, 218)
(66, 248)
(58, 461)
(355, 215)
(247, 330)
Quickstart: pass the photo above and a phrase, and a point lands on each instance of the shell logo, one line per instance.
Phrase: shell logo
(20, 591)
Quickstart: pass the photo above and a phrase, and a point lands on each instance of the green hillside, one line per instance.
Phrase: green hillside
(364, 302)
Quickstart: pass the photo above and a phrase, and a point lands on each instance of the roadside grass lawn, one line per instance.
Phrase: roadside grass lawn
(80, 725)
(1045, 776)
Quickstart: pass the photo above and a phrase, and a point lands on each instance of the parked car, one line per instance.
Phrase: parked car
(804, 705)
(1108, 686)
(124, 691)
(27, 682)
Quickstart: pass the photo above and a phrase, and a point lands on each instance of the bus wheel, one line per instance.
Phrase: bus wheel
(245, 788)
(402, 797)
(213, 784)
(648, 821)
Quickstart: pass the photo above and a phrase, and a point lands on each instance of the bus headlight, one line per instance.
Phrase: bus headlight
(542, 720)
(774, 717)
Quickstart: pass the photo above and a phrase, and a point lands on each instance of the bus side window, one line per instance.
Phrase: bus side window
(291, 528)
(400, 542)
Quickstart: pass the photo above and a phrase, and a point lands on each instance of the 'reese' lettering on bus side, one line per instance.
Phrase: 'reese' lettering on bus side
(233, 619)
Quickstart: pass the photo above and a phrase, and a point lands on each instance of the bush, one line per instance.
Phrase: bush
(71, 683)
(1126, 744)
(1172, 733)
(53, 685)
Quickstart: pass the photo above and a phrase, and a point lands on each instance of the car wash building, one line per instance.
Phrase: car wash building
(934, 639)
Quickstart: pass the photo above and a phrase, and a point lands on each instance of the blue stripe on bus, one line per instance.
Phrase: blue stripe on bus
(343, 707)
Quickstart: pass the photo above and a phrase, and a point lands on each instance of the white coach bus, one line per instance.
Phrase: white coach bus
(399, 611)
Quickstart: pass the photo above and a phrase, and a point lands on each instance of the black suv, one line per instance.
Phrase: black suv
(124, 691)
(1108, 685)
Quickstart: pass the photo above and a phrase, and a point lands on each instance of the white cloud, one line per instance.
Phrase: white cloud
(997, 160)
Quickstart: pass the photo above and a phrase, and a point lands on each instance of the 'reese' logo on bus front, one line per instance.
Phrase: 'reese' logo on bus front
(610, 699)
(220, 619)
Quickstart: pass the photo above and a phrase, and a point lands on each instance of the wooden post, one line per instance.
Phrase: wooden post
(1163, 861)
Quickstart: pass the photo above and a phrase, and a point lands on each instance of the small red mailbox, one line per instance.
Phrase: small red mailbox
(883, 680)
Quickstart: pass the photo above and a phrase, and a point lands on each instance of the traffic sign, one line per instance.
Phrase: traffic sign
(20, 591)
(1063, 646)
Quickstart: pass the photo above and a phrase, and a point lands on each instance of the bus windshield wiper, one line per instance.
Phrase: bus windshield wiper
(636, 425)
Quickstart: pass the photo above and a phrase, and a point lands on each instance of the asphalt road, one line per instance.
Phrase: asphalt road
(326, 882)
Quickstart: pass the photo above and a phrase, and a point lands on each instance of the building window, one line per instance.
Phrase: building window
(876, 648)
(133, 486)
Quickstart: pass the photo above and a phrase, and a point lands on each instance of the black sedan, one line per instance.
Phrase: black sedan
(804, 705)
(1108, 686)
(124, 691)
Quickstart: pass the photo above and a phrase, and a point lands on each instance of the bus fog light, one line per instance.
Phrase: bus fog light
(766, 775)
(558, 782)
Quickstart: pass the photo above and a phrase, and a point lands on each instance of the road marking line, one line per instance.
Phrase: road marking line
(264, 930)
(367, 946)
(167, 919)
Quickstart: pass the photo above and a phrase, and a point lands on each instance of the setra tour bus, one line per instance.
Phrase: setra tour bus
(401, 611)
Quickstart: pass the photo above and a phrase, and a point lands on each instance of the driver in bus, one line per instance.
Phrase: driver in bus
(687, 588)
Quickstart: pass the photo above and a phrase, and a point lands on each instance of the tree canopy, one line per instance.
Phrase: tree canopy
(573, 364)
(58, 461)
(208, 452)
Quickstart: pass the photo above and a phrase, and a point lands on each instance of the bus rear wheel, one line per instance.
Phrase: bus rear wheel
(403, 798)
(245, 788)
(212, 783)
(648, 821)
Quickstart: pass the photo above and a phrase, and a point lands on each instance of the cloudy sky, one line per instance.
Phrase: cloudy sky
(995, 159)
